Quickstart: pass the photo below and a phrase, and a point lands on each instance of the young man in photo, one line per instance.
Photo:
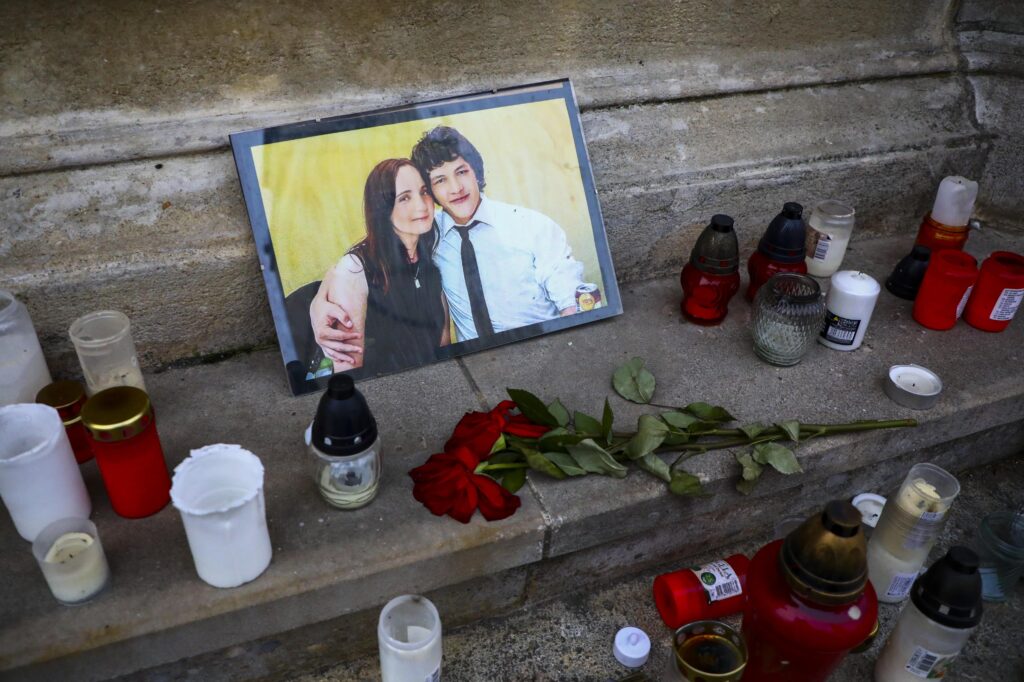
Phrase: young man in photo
(502, 266)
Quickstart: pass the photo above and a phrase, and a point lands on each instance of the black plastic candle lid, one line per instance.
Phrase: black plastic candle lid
(717, 250)
(343, 424)
(905, 279)
(949, 592)
(785, 239)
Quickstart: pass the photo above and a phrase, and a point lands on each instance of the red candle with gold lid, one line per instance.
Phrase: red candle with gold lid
(68, 397)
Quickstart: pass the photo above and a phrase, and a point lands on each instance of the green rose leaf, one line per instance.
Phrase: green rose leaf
(538, 462)
(593, 458)
(558, 411)
(566, 463)
(633, 382)
(685, 484)
(503, 457)
(746, 487)
(650, 432)
(709, 413)
(678, 420)
(791, 428)
(532, 407)
(607, 419)
(676, 438)
(754, 430)
(558, 438)
(751, 473)
(513, 480)
(499, 444)
(586, 424)
(699, 427)
(779, 457)
(655, 465)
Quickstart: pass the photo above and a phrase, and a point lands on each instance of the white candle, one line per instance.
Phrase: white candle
(848, 308)
(913, 386)
(72, 560)
(23, 369)
(409, 637)
(828, 234)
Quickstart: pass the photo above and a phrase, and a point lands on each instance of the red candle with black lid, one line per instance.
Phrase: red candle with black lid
(944, 291)
(781, 249)
(711, 278)
(998, 293)
(68, 398)
(128, 452)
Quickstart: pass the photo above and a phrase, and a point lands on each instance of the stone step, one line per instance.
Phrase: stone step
(332, 570)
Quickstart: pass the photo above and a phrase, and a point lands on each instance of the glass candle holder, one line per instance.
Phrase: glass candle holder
(219, 491)
(945, 289)
(828, 234)
(908, 527)
(998, 294)
(103, 341)
(409, 638)
(711, 277)
(788, 314)
(39, 478)
(348, 481)
(23, 369)
(72, 560)
(124, 439)
(708, 650)
(68, 398)
(1001, 549)
(782, 248)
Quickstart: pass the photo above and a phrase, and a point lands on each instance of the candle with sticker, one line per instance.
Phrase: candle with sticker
(998, 294)
(946, 287)
(848, 307)
(910, 524)
(72, 560)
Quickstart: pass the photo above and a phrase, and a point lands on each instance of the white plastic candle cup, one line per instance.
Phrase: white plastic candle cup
(72, 560)
(39, 478)
(910, 523)
(23, 369)
(828, 234)
(219, 491)
(103, 341)
(409, 636)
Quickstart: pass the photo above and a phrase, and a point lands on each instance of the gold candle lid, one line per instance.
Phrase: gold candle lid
(117, 413)
(825, 559)
(62, 396)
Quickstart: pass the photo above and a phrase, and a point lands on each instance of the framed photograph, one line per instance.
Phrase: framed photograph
(401, 237)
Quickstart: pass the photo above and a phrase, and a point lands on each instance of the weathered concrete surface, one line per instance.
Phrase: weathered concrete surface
(120, 80)
(717, 365)
(327, 563)
(1000, 106)
(568, 639)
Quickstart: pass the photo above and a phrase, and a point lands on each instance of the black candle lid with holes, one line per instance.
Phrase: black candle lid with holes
(343, 424)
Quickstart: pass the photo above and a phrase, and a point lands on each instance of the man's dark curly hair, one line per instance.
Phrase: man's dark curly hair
(443, 144)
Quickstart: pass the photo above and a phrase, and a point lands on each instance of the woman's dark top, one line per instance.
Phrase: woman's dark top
(403, 326)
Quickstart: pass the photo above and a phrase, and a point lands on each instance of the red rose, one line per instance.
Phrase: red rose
(447, 484)
(478, 431)
(518, 425)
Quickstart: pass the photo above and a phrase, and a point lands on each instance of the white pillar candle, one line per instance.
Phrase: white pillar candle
(39, 478)
(219, 491)
(72, 560)
(851, 300)
(409, 637)
(23, 369)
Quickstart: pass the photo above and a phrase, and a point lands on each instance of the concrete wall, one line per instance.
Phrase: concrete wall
(117, 188)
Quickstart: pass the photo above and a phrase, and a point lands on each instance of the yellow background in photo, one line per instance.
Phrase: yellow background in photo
(312, 188)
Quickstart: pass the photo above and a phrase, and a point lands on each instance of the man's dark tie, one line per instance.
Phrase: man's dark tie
(477, 302)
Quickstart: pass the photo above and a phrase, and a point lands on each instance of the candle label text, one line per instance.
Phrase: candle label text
(839, 330)
(718, 580)
(1006, 307)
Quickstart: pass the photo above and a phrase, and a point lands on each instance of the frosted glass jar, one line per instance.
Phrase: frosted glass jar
(409, 638)
(788, 314)
(828, 234)
(23, 370)
(39, 478)
(103, 341)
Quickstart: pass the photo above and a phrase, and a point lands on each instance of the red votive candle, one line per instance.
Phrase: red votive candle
(68, 397)
(711, 277)
(998, 293)
(705, 593)
(124, 438)
(945, 289)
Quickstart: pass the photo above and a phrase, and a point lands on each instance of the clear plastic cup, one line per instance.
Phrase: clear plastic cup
(23, 370)
(72, 560)
(103, 341)
(409, 637)
(39, 478)
(1002, 555)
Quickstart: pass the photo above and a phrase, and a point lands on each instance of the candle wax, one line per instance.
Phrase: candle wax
(916, 382)
(75, 567)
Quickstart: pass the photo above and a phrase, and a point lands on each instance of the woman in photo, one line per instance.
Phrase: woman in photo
(387, 283)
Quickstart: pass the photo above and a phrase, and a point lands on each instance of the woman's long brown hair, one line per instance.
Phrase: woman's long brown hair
(382, 250)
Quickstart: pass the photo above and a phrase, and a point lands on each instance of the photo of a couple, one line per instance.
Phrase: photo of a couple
(428, 263)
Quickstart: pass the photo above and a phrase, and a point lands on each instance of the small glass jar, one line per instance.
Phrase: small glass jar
(788, 314)
(131, 461)
(1000, 547)
(68, 397)
(828, 234)
(23, 369)
(348, 482)
(103, 341)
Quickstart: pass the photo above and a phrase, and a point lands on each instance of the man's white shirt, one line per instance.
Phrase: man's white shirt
(526, 267)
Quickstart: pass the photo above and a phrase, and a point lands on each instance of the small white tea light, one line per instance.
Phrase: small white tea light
(913, 386)
(870, 507)
(72, 560)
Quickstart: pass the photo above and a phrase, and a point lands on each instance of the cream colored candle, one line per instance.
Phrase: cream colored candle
(72, 560)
